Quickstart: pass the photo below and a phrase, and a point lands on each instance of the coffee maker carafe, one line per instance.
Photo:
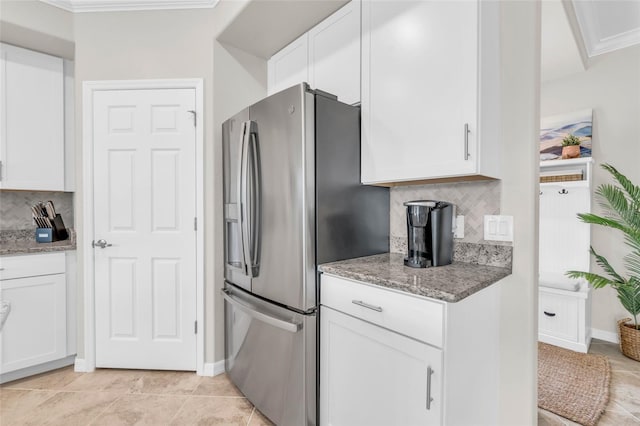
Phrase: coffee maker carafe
(429, 233)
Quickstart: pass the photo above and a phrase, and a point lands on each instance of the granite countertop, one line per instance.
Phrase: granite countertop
(24, 241)
(450, 283)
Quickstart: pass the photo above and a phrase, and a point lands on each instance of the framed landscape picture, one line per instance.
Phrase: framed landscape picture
(558, 127)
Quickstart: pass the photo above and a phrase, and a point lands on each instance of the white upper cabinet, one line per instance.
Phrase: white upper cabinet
(327, 57)
(289, 66)
(334, 54)
(429, 90)
(31, 120)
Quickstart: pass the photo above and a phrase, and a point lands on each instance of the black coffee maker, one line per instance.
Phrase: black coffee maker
(429, 233)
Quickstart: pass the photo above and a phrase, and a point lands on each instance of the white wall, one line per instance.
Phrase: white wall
(239, 79)
(177, 44)
(37, 26)
(141, 45)
(520, 86)
(611, 87)
(145, 45)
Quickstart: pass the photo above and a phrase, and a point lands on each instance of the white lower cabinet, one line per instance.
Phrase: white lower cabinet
(393, 358)
(564, 317)
(35, 331)
(373, 376)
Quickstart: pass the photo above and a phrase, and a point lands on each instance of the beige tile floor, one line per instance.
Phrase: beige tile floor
(125, 397)
(624, 391)
(136, 397)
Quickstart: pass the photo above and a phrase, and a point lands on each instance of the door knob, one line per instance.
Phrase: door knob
(100, 243)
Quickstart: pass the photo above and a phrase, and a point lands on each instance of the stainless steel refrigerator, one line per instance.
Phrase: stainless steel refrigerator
(292, 200)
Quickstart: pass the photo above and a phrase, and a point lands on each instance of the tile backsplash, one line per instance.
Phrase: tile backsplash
(472, 199)
(15, 208)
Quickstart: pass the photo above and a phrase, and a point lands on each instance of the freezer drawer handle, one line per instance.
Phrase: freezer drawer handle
(366, 305)
(250, 310)
(549, 314)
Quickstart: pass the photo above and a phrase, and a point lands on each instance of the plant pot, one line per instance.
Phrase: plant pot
(629, 339)
(570, 151)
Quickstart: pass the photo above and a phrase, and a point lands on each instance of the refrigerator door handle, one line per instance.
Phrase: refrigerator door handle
(261, 316)
(255, 201)
(242, 189)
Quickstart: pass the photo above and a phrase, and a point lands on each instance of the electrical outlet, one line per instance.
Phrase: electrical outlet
(459, 227)
(498, 228)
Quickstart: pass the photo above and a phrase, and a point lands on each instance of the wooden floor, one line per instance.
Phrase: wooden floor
(624, 392)
(125, 397)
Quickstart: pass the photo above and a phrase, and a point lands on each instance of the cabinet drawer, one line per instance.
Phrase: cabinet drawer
(558, 315)
(31, 265)
(414, 317)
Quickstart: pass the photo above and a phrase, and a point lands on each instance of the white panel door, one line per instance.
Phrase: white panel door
(31, 120)
(145, 207)
(372, 376)
(289, 66)
(36, 329)
(334, 54)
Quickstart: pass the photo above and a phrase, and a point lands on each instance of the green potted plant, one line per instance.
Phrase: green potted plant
(570, 147)
(622, 212)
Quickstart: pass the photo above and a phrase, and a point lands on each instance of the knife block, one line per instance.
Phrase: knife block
(56, 233)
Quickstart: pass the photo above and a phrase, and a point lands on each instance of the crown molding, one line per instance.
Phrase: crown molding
(595, 42)
(619, 41)
(80, 6)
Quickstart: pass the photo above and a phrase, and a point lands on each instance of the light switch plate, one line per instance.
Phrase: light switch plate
(498, 228)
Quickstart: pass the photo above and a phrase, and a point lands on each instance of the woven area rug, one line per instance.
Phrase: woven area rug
(571, 384)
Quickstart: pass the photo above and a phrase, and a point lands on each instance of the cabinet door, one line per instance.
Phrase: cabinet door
(289, 66)
(564, 239)
(419, 89)
(334, 54)
(35, 330)
(372, 376)
(558, 315)
(32, 120)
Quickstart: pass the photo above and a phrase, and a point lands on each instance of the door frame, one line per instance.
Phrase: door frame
(88, 362)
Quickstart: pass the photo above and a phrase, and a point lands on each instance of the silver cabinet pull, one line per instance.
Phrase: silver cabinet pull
(429, 399)
(466, 141)
(366, 305)
(100, 243)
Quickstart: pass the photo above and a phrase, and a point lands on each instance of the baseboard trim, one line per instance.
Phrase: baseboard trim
(218, 368)
(208, 369)
(80, 366)
(213, 368)
(36, 369)
(582, 347)
(605, 335)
